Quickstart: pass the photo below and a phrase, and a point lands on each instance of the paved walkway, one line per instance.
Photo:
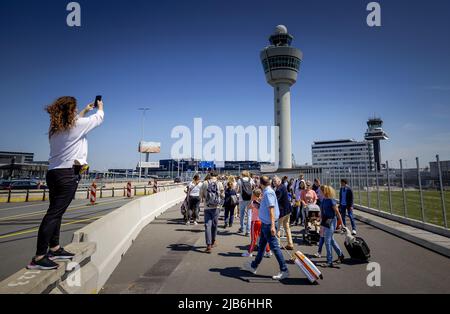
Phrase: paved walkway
(167, 257)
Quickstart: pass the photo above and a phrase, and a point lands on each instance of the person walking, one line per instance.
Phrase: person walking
(330, 221)
(193, 191)
(316, 188)
(212, 193)
(245, 189)
(298, 208)
(285, 210)
(256, 224)
(68, 158)
(230, 202)
(269, 214)
(346, 204)
(308, 196)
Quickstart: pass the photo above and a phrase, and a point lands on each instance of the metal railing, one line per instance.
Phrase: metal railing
(9, 196)
(410, 193)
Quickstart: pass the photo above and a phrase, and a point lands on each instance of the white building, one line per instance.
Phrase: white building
(343, 155)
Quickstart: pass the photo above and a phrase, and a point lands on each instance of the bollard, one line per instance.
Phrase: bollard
(129, 189)
(422, 208)
(113, 189)
(43, 195)
(9, 195)
(135, 189)
(27, 196)
(145, 190)
(93, 197)
(87, 193)
(441, 187)
(405, 209)
(101, 192)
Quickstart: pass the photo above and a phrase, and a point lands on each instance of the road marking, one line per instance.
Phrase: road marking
(37, 229)
(44, 211)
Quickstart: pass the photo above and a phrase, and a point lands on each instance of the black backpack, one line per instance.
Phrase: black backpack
(246, 192)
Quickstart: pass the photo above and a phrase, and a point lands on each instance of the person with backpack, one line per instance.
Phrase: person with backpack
(245, 190)
(212, 193)
(230, 202)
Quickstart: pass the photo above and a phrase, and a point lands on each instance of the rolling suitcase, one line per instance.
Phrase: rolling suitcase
(309, 269)
(356, 247)
(306, 266)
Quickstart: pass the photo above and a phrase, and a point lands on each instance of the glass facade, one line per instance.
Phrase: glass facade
(281, 62)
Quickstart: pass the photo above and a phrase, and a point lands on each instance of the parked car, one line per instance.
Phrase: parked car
(4, 184)
(25, 185)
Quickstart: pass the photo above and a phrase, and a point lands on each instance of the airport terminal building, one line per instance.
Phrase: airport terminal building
(342, 155)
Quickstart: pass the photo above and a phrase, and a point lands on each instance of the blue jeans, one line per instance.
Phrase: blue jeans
(330, 242)
(245, 216)
(267, 237)
(344, 211)
(321, 241)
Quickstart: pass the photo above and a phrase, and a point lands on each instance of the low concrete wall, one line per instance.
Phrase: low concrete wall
(78, 275)
(115, 232)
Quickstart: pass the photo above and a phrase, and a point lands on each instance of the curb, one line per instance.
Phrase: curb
(433, 246)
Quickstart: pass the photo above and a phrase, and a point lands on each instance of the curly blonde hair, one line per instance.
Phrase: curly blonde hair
(63, 112)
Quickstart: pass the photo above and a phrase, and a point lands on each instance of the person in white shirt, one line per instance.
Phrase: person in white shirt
(193, 191)
(68, 155)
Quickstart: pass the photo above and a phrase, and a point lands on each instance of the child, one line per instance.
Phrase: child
(322, 239)
(256, 224)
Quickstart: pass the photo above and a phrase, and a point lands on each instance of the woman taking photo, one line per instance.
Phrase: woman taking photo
(68, 155)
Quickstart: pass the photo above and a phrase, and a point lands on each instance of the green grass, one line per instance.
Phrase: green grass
(431, 201)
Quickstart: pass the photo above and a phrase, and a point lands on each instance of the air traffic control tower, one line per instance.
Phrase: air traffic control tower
(375, 133)
(281, 64)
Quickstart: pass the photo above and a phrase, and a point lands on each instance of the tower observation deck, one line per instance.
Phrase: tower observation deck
(375, 134)
(281, 64)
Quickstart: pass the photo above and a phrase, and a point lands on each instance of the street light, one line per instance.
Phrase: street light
(144, 110)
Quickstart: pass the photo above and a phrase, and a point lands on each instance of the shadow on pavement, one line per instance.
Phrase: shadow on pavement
(179, 247)
(231, 254)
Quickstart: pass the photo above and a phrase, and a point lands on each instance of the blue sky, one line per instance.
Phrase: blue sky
(200, 58)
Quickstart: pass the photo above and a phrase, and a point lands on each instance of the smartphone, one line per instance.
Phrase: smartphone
(97, 99)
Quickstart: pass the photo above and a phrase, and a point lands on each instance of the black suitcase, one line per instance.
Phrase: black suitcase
(358, 249)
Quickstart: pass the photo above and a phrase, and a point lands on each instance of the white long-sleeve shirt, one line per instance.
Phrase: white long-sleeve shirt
(71, 146)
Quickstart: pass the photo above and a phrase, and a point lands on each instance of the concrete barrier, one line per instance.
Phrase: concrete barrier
(78, 275)
(115, 232)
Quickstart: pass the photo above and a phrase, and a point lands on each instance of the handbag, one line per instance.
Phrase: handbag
(234, 200)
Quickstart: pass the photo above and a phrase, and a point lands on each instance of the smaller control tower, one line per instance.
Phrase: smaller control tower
(375, 134)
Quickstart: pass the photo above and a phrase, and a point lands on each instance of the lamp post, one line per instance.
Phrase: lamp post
(144, 110)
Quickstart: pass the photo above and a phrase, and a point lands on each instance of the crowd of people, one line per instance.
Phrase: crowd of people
(267, 207)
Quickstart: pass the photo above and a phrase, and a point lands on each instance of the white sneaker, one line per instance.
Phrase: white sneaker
(187, 223)
(268, 254)
(354, 232)
(195, 222)
(247, 254)
(281, 275)
(248, 267)
(318, 255)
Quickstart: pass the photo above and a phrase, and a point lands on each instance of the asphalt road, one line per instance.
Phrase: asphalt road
(19, 223)
(167, 257)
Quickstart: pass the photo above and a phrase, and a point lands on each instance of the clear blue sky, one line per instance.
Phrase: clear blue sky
(200, 58)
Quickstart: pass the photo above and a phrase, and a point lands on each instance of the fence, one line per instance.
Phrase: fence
(9, 196)
(410, 193)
